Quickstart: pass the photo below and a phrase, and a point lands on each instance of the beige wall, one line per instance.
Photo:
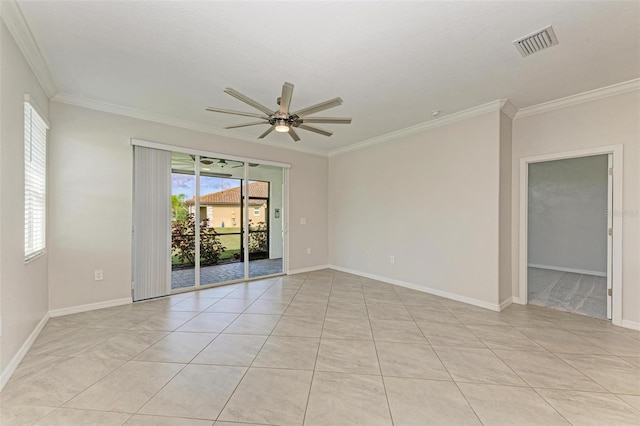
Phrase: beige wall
(91, 193)
(506, 259)
(567, 221)
(23, 287)
(609, 121)
(429, 199)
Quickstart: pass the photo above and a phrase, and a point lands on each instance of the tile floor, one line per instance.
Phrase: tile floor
(569, 292)
(324, 348)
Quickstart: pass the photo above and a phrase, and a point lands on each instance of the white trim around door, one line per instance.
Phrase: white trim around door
(615, 254)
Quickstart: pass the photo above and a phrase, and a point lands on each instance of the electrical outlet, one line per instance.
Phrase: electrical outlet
(309, 250)
(392, 259)
(98, 275)
(366, 253)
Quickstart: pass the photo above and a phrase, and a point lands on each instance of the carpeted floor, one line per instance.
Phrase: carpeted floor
(569, 292)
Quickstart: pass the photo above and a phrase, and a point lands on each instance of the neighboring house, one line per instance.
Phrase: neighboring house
(224, 208)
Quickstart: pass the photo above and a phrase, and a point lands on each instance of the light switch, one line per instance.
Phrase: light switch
(303, 221)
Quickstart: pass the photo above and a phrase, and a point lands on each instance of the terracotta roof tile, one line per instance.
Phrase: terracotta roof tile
(232, 195)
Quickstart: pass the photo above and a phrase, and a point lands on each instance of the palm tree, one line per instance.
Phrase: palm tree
(179, 210)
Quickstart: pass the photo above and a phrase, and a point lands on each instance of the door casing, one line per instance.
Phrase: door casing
(614, 242)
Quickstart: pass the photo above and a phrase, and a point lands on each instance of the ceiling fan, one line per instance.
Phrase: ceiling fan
(221, 162)
(283, 120)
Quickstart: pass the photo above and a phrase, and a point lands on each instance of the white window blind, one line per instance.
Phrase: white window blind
(35, 185)
(151, 223)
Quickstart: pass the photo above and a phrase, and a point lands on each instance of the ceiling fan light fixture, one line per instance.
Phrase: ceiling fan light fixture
(282, 126)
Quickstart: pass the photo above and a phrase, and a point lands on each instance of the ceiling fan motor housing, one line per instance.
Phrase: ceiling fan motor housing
(287, 120)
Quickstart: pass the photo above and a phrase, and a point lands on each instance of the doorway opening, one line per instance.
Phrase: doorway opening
(570, 237)
(567, 225)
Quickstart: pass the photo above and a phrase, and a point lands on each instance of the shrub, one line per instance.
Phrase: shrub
(183, 242)
(257, 237)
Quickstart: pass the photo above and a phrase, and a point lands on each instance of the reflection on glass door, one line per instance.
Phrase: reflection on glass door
(183, 232)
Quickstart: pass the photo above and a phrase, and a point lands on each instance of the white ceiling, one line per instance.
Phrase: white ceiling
(391, 62)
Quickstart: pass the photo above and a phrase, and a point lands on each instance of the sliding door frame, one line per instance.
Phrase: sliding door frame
(245, 209)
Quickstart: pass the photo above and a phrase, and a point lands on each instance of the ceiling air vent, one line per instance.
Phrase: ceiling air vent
(536, 41)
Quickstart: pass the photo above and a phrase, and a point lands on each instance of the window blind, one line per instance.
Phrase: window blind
(35, 185)
(151, 223)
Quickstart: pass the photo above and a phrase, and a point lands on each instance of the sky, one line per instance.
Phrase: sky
(186, 184)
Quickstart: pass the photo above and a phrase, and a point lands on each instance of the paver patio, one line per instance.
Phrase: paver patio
(182, 278)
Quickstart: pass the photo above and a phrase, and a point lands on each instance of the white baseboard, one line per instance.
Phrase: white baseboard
(89, 307)
(631, 324)
(562, 269)
(303, 270)
(505, 303)
(17, 359)
(429, 290)
(517, 300)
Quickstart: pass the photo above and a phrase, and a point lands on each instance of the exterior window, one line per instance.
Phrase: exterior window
(35, 186)
(256, 211)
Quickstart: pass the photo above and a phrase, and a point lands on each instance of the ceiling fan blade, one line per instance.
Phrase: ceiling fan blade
(244, 114)
(242, 165)
(328, 120)
(202, 173)
(293, 134)
(269, 130)
(247, 100)
(220, 175)
(285, 100)
(247, 124)
(319, 107)
(314, 129)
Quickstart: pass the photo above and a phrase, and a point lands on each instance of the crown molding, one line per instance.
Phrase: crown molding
(418, 128)
(508, 108)
(65, 98)
(591, 95)
(16, 24)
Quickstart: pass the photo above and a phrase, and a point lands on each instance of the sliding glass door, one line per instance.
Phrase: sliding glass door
(226, 220)
(265, 213)
(221, 220)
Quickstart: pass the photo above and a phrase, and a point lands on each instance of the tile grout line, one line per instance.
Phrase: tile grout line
(257, 352)
(313, 373)
(514, 372)
(189, 362)
(333, 288)
(447, 370)
(551, 405)
(459, 390)
(375, 348)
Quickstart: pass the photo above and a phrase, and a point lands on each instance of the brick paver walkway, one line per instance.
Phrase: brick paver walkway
(182, 278)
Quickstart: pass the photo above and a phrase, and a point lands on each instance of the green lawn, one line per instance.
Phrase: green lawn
(230, 242)
(227, 230)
